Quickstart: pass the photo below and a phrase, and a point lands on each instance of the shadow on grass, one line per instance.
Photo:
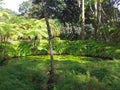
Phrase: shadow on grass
(86, 74)
(71, 73)
(28, 73)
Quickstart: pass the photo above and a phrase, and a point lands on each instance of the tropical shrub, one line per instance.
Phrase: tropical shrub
(87, 47)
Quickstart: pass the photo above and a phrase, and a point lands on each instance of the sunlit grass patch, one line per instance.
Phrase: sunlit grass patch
(71, 73)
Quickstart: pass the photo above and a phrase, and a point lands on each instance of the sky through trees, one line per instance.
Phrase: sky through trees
(116, 4)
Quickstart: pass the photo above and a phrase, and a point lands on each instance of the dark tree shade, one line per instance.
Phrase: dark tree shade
(36, 1)
(65, 10)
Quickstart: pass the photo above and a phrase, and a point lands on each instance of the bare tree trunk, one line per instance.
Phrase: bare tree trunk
(91, 7)
(83, 21)
(50, 82)
(95, 19)
(99, 19)
(82, 33)
(51, 71)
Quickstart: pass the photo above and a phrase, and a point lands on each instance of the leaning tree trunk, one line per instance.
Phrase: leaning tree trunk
(50, 82)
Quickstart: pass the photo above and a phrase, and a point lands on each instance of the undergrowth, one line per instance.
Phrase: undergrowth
(64, 47)
(71, 73)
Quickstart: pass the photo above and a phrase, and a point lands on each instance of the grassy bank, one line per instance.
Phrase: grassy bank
(71, 73)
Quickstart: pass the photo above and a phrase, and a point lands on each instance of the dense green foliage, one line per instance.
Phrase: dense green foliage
(61, 47)
(89, 63)
(72, 72)
(20, 36)
(100, 14)
(87, 47)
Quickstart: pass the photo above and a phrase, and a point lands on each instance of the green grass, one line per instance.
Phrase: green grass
(71, 73)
